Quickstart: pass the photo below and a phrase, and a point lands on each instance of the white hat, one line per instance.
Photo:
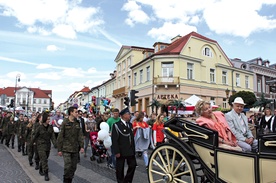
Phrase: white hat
(238, 100)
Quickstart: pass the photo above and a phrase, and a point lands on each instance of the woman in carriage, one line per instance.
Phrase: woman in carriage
(217, 122)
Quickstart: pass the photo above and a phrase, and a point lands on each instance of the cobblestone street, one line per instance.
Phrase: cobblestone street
(15, 168)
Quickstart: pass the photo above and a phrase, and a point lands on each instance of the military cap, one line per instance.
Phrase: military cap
(124, 111)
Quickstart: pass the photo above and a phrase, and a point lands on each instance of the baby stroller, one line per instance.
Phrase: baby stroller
(98, 149)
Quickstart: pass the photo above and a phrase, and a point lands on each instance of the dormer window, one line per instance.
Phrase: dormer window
(207, 52)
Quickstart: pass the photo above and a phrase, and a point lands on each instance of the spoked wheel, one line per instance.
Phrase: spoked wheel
(168, 163)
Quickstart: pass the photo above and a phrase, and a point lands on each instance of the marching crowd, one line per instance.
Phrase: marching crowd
(131, 134)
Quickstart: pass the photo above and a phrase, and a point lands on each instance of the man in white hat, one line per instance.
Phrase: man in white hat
(238, 124)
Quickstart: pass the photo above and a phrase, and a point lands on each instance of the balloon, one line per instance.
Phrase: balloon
(56, 130)
(103, 134)
(107, 142)
(60, 121)
(104, 126)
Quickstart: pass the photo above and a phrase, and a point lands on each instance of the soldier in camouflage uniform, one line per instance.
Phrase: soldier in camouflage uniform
(3, 126)
(22, 137)
(70, 142)
(42, 138)
(18, 122)
(28, 134)
(37, 123)
(10, 132)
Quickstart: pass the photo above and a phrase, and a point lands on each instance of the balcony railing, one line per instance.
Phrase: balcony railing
(120, 91)
(166, 81)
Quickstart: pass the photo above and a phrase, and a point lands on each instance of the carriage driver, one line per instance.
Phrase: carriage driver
(238, 124)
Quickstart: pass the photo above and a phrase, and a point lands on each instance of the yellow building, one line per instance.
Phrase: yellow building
(192, 64)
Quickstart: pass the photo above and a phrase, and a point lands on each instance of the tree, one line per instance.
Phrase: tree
(262, 102)
(248, 97)
(154, 104)
(177, 104)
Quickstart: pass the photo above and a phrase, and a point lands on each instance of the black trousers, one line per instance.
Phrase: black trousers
(120, 165)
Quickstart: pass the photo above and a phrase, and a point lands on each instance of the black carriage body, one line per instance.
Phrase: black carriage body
(222, 165)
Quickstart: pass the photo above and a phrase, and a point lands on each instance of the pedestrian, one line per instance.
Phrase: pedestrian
(22, 137)
(18, 123)
(158, 126)
(69, 143)
(90, 126)
(56, 118)
(3, 126)
(114, 119)
(11, 130)
(42, 138)
(28, 134)
(38, 122)
(142, 133)
(80, 119)
(124, 147)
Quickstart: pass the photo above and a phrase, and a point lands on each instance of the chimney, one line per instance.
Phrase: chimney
(176, 38)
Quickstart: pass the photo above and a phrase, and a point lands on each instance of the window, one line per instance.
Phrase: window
(246, 81)
(34, 109)
(134, 79)
(207, 52)
(141, 76)
(167, 69)
(224, 77)
(148, 73)
(162, 47)
(224, 103)
(238, 80)
(129, 79)
(259, 85)
(212, 75)
(34, 101)
(119, 68)
(128, 62)
(190, 71)
(39, 109)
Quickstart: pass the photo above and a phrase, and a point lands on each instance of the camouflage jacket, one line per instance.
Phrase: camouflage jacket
(43, 137)
(70, 137)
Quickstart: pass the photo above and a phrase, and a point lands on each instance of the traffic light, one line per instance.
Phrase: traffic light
(126, 101)
(133, 97)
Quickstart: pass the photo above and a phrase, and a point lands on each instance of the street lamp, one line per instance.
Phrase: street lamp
(227, 92)
(17, 79)
(234, 92)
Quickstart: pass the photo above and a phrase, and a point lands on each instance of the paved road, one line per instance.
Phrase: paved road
(15, 168)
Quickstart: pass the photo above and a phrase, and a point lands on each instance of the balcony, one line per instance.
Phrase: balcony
(166, 81)
(120, 92)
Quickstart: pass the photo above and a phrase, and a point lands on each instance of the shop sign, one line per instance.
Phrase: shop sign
(168, 97)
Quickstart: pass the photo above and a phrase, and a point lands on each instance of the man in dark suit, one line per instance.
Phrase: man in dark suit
(124, 147)
(82, 125)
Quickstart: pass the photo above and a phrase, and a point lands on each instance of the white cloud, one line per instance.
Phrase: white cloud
(135, 15)
(53, 48)
(44, 66)
(244, 21)
(48, 76)
(170, 30)
(231, 17)
(64, 18)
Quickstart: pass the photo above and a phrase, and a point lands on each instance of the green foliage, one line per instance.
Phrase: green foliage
(248, 97)
(262, 102)
(177, 104)
(154, 104)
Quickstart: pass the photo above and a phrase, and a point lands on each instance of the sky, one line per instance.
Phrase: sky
(64, 45)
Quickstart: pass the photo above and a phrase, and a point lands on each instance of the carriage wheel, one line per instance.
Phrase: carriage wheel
(168, 163)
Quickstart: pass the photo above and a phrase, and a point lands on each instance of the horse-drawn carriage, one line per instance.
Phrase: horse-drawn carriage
(196, 157)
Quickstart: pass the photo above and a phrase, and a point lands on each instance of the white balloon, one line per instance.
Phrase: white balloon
(103, 134)
(60, 121)
(107, 142)
(56, 130)
(104, 126)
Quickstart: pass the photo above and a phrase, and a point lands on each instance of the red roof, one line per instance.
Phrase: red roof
(176, 46)
(85, 89)
(38, 93)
